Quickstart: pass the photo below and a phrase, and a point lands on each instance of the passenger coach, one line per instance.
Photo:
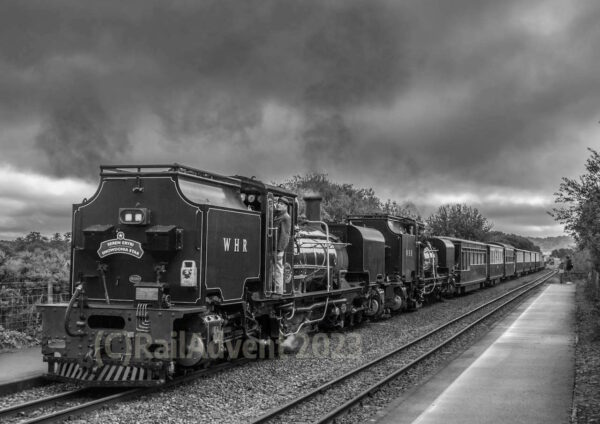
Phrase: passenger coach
(471, 262)
(508, 253)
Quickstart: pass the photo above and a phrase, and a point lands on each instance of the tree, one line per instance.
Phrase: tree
(579, 209)
(34, 236)
(562, 252)
(339, 200)
(460, 221)
(34, 258)
(407, 209)
(514, 240)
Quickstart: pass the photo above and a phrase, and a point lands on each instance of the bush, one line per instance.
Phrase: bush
(11, 339)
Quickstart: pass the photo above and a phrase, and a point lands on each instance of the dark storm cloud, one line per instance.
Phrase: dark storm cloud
(79, 131)
(414, 98)
(505, 121)
(205, 68)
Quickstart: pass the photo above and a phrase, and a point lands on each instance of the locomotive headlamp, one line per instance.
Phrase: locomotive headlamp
(134, 216)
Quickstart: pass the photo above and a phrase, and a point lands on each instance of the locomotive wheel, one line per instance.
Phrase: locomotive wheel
(374, 305)
(194, 350)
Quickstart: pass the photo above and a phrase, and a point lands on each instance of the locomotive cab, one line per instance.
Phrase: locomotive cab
(263, 198)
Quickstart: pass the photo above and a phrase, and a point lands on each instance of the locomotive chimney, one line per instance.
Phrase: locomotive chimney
(313, 207)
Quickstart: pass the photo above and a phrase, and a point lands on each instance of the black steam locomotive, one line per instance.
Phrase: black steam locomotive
(171, 265)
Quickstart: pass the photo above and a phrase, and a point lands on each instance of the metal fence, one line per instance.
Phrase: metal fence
(18, 300)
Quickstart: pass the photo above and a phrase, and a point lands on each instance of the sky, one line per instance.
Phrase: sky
(482, 102)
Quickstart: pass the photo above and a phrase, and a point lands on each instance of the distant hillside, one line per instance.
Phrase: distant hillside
(548, 244)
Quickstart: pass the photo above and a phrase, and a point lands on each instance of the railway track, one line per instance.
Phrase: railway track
(27, 383)
(72, 403)
(334, 398)
(76, 402)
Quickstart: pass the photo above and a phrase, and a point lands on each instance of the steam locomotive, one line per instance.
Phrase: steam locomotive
(171, 264)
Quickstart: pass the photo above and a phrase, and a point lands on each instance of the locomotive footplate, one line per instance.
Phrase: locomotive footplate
(112, 344)
(311, 296)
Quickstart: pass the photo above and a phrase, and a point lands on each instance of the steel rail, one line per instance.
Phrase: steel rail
(294, 402)
(27, 406)
(375, 387)
(18, 385)
(121, 395)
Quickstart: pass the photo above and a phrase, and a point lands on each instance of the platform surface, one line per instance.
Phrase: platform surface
(21, 364)
(521, 372)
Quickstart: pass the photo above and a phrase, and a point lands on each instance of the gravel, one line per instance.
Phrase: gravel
(321, 404)
(34, 393)
(376, 403)
(245, 392)
(586, 396)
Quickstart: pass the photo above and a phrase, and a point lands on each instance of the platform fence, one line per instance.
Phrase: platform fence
(18, 300)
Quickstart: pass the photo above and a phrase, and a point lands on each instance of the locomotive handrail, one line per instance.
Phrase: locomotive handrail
(175, 168)
(333, 243)
(75, 298)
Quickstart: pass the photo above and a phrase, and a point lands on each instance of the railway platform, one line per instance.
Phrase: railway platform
(520, 372)
(21, 364)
